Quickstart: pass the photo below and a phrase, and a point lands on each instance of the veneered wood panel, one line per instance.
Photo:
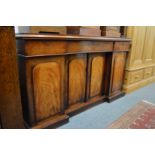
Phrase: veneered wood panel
(149, 44)
(137, 33)
(121, 46)
(141, 57)
(97, 69)
(77, 80)
(43, 47)
(47, 89)
(37, 47)
(10, 99)
(89, 46)
(118, 70)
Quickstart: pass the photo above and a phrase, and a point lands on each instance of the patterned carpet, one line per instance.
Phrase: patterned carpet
(141, 116)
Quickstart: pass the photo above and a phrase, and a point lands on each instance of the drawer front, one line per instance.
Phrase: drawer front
(121, 46)
(147, 72)
(136, 76)
(38, 47)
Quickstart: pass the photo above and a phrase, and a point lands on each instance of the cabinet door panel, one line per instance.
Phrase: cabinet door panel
(149, 45)
(47, 89)
(118, 71)
(137, 33)
(96, 75)
(76, 80)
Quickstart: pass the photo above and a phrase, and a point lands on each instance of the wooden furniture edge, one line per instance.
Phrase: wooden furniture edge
(138, 68)
(67, 37)
(75, 109)
(132, 87)
(52, 122)
(63, 54)
(116, 96)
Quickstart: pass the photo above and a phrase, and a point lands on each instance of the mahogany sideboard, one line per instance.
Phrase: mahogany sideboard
(61, 75)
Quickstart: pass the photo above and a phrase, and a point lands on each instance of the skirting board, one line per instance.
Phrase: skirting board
(139, 84)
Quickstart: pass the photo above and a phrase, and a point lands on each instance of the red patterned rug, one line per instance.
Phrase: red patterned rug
(141, 116)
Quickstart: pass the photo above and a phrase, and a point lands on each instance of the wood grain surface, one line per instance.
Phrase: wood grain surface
(121, 46)
(67, 37)
(50, 47)
(46, 78)
(97, 70)
(118, 71)
(141, 57)
(10, 99)
(77, 79)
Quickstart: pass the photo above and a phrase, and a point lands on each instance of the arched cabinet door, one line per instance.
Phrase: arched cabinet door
(76, 79)
(48, 80)
(96, 75)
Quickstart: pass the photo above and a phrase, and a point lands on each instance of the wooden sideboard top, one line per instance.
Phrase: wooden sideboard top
(66, 37)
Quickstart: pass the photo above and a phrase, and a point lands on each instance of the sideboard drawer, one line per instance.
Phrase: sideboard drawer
(121, 46)
(48, 47)
(147, 72)
(136, 76)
